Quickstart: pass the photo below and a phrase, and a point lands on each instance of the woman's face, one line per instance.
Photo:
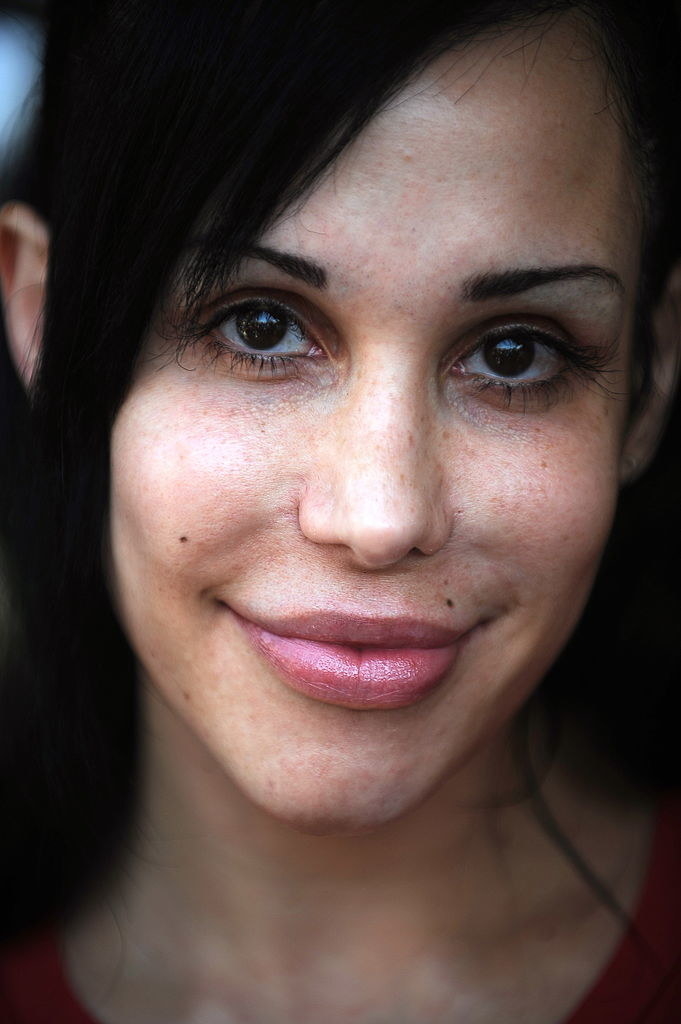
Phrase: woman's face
(353, 526)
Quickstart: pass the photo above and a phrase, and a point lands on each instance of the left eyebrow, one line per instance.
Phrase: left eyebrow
(514, 281)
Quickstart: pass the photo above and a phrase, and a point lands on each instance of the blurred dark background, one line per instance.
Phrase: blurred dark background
(21, 41)
(20, 56)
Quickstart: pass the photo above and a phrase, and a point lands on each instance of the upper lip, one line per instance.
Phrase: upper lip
(357, 630)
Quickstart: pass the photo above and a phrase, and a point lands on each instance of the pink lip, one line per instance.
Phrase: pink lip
(357, 662)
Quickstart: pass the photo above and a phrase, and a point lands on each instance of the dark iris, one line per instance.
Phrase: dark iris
(509, 357)
(261, 328)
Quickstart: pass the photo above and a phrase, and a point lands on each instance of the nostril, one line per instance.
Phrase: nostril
(380, 546)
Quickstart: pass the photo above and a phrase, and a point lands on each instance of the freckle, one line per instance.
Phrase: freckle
(449, 602)
(183, 540)
(543, 464)
(186, 695)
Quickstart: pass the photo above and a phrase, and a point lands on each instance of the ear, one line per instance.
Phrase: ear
(646, 428)
(24, 242)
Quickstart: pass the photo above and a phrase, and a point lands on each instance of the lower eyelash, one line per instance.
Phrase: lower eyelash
(254, 361)
(545, 392)
(584, 362)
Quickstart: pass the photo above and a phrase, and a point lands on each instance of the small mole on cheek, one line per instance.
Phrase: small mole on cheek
(183, 540)
(449, 602)
(187, 696)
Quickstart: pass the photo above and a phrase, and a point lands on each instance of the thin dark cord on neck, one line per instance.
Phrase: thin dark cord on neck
(552, 829)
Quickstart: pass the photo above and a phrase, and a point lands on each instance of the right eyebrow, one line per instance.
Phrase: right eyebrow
(295, 266)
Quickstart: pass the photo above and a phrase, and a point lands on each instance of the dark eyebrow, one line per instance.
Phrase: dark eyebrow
(477, 288)
(494, 285)
(296, 266)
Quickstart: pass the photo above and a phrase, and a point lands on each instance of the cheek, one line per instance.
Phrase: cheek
(202, 490)
(191, 494)
(540, 519)
(551, 518)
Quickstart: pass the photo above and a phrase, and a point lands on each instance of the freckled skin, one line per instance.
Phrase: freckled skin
(377, 475)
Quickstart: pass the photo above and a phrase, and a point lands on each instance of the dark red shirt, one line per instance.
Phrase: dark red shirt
(634, 988)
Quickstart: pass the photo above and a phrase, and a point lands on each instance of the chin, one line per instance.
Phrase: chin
(329, 826)
(342, 807)
(336, 822)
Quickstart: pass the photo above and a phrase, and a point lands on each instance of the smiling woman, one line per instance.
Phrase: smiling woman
(341, 342)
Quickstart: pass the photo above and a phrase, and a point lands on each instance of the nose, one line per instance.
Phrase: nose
(377, 484)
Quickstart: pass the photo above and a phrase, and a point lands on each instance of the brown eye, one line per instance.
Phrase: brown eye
(513, 354)
(509, 357)
(261, 328)
(264, 327)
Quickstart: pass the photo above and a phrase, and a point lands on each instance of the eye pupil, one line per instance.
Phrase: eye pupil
(261, 328)
(509, 357)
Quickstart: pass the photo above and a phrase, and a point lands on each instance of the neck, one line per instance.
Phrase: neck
(213, 889)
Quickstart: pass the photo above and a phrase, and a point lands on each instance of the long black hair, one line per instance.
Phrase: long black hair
(158, 114)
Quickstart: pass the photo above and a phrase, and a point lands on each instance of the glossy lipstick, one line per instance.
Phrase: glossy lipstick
(354, 662)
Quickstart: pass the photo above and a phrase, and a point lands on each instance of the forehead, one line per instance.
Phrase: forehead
(502, 149)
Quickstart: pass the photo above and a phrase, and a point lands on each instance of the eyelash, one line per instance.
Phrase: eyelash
(582, 361)
(586, 362)
(253, 361)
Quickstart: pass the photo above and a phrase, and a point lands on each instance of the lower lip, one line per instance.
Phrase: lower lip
(355, 677)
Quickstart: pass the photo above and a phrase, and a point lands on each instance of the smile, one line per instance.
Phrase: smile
(356, 663)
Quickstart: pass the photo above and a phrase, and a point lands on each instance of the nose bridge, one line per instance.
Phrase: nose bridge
(384, 430)
(383, 494)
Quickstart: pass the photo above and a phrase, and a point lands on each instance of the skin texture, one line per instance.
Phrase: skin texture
(372, 480)
(295, 860)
